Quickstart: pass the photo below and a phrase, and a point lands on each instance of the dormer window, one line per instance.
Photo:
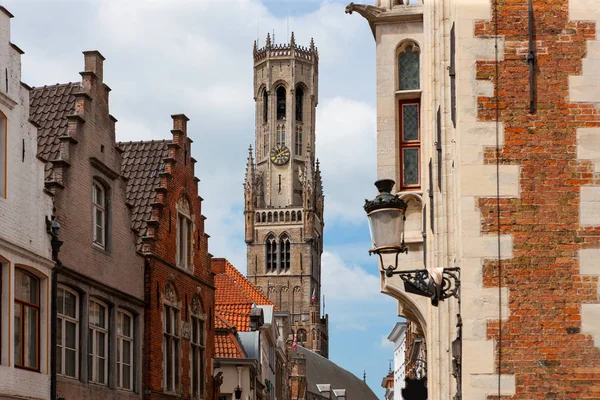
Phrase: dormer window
(185, 237)
(281, 103)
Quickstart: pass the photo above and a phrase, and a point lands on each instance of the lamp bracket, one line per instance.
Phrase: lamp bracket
(419, 282)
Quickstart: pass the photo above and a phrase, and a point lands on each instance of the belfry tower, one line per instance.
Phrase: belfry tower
(283, 189)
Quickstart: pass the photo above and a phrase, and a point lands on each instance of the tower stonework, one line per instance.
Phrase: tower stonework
(283, 189)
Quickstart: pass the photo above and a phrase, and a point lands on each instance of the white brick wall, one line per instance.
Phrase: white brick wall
(23, 238)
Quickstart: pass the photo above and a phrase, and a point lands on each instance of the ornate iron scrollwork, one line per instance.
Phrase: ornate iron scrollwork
(419, 281)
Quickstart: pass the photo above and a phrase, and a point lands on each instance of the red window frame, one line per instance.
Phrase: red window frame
(410, 144)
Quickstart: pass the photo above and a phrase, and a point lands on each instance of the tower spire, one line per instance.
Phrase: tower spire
(292, 40)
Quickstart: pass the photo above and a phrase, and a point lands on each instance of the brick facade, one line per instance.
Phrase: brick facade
(542, 342)
(155, 207)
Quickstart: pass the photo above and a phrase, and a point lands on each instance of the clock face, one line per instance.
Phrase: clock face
(280, 154)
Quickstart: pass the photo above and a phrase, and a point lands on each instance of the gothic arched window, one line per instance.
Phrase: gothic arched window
(284, 252)
(299, 215)
(408, 67)
(298, 141)
(265, 106)
(281, 103)
(281, 134)
(299, 103)
(271, 253)
(301, 335)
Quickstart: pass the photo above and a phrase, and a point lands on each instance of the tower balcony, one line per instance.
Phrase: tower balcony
(287, 216)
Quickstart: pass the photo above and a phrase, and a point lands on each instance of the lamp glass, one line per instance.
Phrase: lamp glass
(387, 228)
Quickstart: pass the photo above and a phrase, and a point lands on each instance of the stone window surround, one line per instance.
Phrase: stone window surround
(95, 331)
(198, 316)
(185, 220)
(171, 302)
(121, 338)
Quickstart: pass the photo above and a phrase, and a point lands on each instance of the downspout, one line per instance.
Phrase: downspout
(52, 227)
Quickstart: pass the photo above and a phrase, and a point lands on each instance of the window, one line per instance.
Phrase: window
(299, 103)
(98, 343)
(265, 143)
(281, 103)
(298, 141)
(67, 332)
(271, 253)
(281, 134)
(99, 207)
(408, 68)
(284, 248)
(125, 350)
(410, 144)
(27, 320)
(171, 348)
(301, 336)
(3, 150)
(265, 106)
(198, 356)
(185, 235)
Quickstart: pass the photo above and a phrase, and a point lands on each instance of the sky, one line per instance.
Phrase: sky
(195, 57)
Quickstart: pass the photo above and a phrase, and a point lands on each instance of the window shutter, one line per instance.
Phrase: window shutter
(438, 148)
(431, 193)
(452, 73)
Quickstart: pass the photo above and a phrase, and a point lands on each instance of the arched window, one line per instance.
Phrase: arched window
(265, 106)
(281, 216)
(299, 103)
(99, 210)
(257, 217)
(281, 134)
(171, 338)
(98, 340)
(27, 320)
(269, 217)
(298, 141)
(264, 217)
(281, 103)
(185, 235)
(284, 252)
(299, 215)
(265, 143)
(67, 345)
(301, 336)
(408, 68)
(271, 253)
(198, 345)
(276, 217)
(293, 216)
(287, 216)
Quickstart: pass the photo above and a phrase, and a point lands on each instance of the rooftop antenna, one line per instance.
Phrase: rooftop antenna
(365, 376)
(288, 21)
(257, 29)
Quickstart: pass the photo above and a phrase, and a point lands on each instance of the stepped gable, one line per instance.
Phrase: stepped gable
(227, 344)
(142, 163)
(49, 108)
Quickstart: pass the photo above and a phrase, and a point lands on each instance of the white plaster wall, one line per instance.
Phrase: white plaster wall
(230, 380)
(23, 238)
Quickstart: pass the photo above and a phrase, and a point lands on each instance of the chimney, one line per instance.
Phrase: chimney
(325, 389)
(218, 265)
(94, 62)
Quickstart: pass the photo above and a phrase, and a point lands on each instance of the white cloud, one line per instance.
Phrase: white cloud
(347, 283)
(384, 343)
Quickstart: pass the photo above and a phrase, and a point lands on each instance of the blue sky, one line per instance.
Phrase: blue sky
(195, 57)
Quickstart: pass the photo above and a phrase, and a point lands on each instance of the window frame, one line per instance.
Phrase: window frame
(121, 337)
(102, 208)
(410, 144)
(402, 49)
(279, 101)
(185, 230)
(171, 340)
(271, 253)
(62, 319)
(94, 330)
(23, 304)
(285, 252)
(198, 350)
(298, 140)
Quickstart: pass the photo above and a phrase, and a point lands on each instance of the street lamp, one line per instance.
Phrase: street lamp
(238, 393)
(387, 214)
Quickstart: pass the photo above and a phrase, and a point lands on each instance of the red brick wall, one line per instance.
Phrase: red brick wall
(541, 340)
(162, 265)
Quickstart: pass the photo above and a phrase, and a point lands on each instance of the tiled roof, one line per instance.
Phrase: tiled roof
(235, 295)
(227, 346)
(141, 164)
(49, 107)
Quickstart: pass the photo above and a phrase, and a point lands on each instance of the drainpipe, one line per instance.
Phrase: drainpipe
(52, 227)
